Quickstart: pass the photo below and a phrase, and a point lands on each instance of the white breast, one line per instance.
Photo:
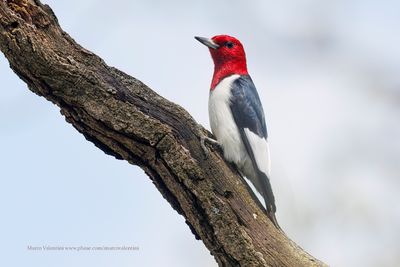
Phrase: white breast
(222, 123)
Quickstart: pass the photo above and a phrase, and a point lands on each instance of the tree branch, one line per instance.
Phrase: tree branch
(126, 119)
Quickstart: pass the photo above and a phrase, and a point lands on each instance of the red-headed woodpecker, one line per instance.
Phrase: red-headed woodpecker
(237, 116)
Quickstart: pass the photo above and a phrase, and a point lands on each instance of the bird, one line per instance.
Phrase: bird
(237, 117)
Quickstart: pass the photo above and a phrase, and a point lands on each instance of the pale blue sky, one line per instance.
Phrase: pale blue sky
(327, 73)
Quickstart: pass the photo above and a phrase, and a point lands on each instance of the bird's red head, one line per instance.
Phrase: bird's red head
(228, 55)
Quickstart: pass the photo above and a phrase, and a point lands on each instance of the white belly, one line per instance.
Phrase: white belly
(223, 125)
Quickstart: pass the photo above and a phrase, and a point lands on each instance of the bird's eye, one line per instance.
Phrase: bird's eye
(229, 44)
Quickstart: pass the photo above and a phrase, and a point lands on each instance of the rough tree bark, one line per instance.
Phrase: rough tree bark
(126, 119)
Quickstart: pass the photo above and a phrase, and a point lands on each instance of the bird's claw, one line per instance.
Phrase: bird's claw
(203, 146)
(203, 140)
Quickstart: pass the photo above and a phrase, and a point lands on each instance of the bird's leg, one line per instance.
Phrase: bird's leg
(204, 139)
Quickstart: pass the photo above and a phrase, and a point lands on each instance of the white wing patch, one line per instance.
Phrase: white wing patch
(260, 149)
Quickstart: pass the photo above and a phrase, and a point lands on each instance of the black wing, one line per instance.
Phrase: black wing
(246, 106)
(248, 113)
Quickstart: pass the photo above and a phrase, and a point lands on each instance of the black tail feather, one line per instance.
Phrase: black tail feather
(269, 198)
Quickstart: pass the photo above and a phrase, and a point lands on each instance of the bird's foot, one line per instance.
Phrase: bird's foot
(203, 140)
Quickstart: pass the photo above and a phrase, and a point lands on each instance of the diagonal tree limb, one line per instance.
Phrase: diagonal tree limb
(126, 119)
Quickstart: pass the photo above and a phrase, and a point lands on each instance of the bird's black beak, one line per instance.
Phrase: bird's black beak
(207, 42)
